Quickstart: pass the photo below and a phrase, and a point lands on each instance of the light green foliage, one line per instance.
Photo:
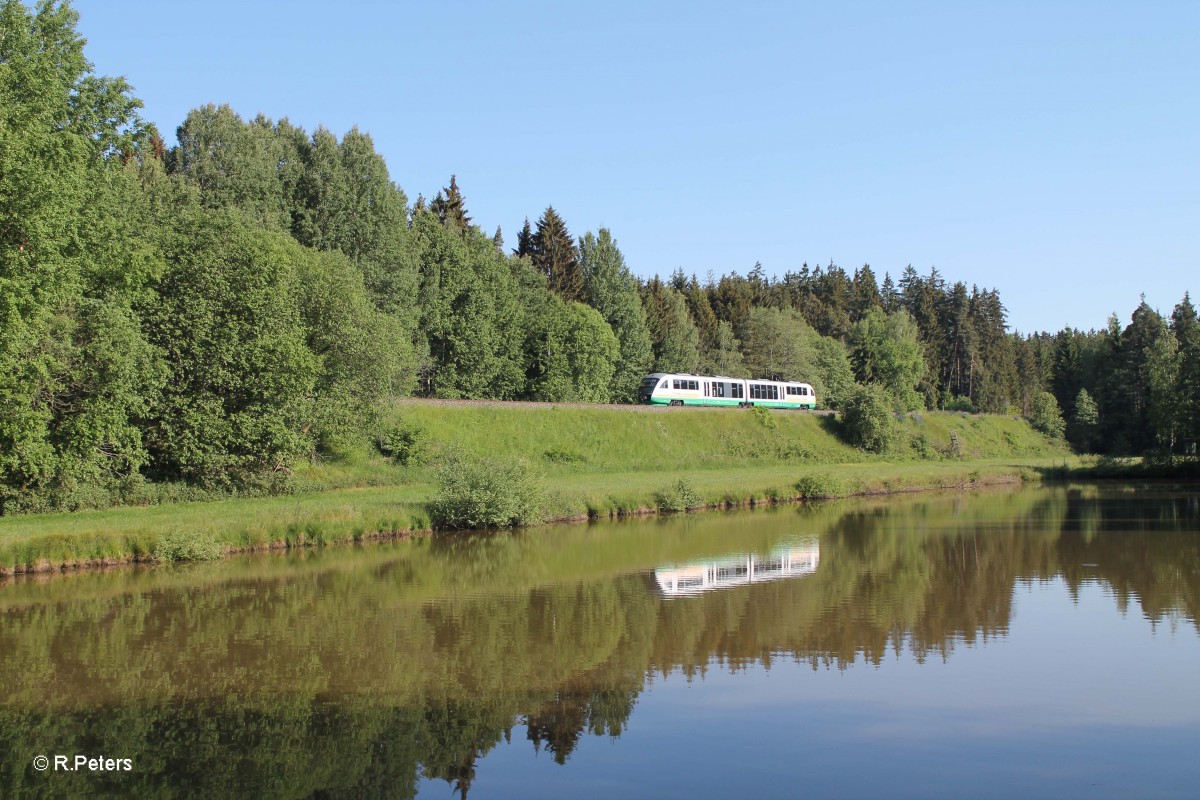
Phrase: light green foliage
(959, 403)
(834, 376)
(573, 354)
(678, 496)
(73, 364)
(612, 290)
(345, 200)
(779, 345)
(1085, 423)
(236, 165)
(818, 485)
(724, 356)
(403, 442)
(1163, 398)
(486, 493)
(473, 314)
(185, 544)
(364, 354)
(867, 420)
(242, 379)
(1046, 416)
(886, 350)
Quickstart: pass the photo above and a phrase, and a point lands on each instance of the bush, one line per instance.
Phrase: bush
(486, 493)
(679, 496)
(764, 417)
(960, 403)
(403, 443)
(867, 420)
(183, 544)
(816, 486)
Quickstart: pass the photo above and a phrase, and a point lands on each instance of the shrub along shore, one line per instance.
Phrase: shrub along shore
(447, 466)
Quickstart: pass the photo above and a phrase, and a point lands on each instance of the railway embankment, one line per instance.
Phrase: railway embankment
(575, 462)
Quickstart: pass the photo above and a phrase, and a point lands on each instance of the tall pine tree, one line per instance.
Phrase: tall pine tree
(555, 256)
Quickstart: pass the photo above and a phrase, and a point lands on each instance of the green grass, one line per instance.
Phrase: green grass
(593, 462)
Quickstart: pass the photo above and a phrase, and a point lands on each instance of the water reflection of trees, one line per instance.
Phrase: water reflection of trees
(357, 675)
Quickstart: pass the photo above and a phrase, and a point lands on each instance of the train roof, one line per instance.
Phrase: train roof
(720, 378)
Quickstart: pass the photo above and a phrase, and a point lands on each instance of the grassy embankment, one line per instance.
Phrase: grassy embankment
(589, 461)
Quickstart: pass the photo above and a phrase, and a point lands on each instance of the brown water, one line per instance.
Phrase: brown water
(1041, 642)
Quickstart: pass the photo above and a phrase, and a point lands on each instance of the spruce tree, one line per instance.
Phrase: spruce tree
(451, 208)
(525, 241)
(554, 255)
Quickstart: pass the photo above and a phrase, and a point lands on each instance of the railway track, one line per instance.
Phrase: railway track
(632, 408)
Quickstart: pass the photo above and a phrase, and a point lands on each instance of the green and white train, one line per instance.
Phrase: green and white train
(666, 389)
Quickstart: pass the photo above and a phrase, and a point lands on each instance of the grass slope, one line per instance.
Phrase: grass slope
(592, 461)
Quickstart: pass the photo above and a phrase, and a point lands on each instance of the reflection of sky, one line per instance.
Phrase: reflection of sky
(1078, 700)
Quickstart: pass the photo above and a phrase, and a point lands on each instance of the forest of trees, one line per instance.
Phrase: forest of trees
(217, 311)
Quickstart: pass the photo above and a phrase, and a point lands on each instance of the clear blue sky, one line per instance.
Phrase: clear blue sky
(1046, 149)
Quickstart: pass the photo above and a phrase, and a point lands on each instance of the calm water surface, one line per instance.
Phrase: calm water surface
(1035, 643)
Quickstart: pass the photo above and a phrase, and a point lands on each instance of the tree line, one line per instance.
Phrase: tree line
(216, 311)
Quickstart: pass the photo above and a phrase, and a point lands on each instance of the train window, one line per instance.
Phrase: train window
(738, 390)
(718, 389)
(678, 383)
(694, 385)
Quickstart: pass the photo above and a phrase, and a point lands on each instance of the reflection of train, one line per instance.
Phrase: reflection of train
(738, 570)
(707, 390)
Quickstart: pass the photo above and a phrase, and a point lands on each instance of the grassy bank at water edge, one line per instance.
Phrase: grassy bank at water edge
(598, 461)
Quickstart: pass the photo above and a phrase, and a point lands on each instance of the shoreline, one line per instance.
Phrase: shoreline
(967, 476)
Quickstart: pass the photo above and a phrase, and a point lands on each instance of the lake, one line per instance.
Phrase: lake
(1040, 642)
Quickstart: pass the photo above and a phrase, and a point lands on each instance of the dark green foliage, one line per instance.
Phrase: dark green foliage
(867, 420)
(673, 335)
(451, 208)
(553, 253)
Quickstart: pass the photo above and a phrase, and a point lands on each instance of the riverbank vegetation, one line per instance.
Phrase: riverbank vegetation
(236, 315)
(530, 463)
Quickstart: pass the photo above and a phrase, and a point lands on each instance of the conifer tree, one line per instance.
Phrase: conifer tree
(451, 208)
(525, 241)
(554, 255)
(889, 296)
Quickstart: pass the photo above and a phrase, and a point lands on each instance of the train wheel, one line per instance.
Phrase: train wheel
(676, 402)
